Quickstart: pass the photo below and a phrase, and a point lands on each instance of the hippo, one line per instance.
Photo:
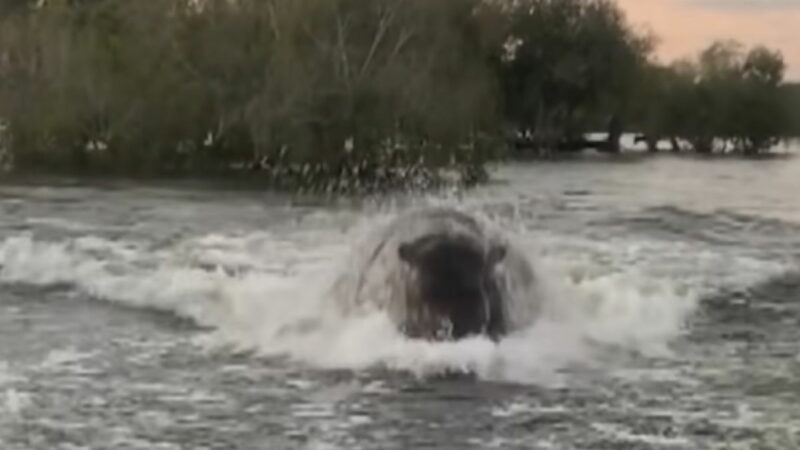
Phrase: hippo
(442, 275)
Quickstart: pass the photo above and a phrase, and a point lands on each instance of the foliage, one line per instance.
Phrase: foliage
(724, 100)
(313, 90)
(340, 93)
(568, 65)
(790, 93)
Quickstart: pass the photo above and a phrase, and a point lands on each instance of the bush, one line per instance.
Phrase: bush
(726, 100)
(568, 66)
(312, 90)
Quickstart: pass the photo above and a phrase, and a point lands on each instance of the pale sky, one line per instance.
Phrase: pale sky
(687, 26)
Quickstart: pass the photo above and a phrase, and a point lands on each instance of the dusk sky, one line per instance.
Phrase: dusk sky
(686, 26)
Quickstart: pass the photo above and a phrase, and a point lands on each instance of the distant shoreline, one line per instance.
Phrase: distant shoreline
(251, 181)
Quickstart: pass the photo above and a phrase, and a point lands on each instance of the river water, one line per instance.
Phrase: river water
(155, 317)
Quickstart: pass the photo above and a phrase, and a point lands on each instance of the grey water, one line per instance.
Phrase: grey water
(137, 316)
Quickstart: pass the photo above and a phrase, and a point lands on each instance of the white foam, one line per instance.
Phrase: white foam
(267, 293)
(518, 408)
(13, 402)
(620, 433)
(64, 357)
(7, 376)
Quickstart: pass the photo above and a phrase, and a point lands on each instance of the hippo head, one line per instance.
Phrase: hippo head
(455, 280)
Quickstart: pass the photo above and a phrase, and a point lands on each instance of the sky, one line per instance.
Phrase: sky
(685, 27)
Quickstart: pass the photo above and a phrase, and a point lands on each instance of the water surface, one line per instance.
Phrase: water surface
(155, 317)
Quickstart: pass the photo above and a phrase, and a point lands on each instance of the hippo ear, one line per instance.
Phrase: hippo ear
(496, 254)
(407, 252)
(412, 252)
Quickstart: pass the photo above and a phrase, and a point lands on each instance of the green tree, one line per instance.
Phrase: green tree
(760, 117)
(790, 93)
(725, 100)
(315, 90)
(568, 65)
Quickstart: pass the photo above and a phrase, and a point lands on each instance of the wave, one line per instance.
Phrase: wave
(267, 293)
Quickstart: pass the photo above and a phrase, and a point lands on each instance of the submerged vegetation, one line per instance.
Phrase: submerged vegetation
(335, 93)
